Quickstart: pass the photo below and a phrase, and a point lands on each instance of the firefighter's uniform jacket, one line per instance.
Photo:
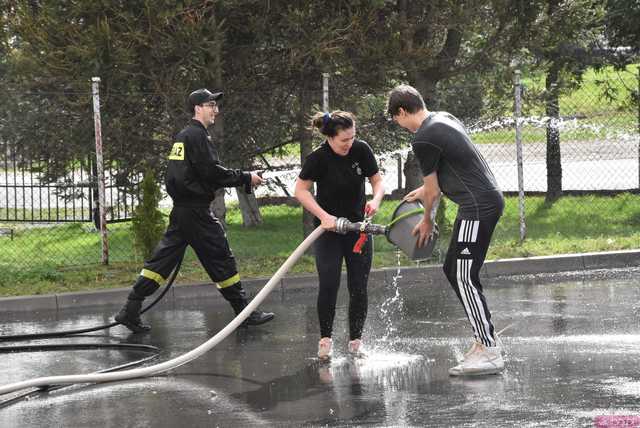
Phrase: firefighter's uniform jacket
(194, 172)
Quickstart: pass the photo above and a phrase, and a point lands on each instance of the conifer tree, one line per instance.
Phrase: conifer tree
(148, 221)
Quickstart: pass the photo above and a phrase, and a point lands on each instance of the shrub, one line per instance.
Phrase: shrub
(148, 221)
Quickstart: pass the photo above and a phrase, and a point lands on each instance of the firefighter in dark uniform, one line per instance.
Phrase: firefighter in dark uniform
(193, 175)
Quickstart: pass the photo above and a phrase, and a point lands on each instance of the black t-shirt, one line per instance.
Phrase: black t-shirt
(442, 144)
(340, 179)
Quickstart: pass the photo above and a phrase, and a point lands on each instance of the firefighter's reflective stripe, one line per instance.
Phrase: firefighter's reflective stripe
(229, 281)
(177, 151)
(152, 275)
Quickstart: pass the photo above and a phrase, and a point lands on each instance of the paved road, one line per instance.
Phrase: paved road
(571, 349)
(597, 165)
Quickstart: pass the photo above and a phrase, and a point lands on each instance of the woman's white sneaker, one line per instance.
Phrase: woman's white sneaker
(324, 348)
(480, 360)
(355, 348)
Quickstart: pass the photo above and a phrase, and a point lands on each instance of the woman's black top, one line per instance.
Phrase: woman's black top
(340, 179)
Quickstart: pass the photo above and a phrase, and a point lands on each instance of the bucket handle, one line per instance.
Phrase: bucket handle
(405, 215)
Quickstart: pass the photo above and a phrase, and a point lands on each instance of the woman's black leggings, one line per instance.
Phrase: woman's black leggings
(330, 249)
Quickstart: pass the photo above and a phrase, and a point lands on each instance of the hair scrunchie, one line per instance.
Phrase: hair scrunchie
(326, 118)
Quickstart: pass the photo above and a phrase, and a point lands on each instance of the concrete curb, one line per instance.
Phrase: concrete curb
(428, 274)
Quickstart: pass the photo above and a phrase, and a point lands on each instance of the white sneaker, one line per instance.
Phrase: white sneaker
(355, 348)
(324, 348)
(479, 360)
(473, 349)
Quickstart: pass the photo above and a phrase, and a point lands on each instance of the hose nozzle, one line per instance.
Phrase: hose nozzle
(343, 226)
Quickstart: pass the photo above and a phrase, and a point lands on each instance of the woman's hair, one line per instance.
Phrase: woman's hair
(407, 97)
(330, 124)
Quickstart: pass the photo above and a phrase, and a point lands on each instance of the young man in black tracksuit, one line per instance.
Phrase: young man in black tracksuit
(451, 164)
(193, 175)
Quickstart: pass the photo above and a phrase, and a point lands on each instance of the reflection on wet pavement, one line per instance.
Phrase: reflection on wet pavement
(571, 352)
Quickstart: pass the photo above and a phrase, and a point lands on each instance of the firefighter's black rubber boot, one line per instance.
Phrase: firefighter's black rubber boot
(129, 316)
(235, 295)
(258, 317)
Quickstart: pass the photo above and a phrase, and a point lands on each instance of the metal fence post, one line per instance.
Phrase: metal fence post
(325, 91)
(325, 103)
(399, 167)
(518, 123)
(95, 89)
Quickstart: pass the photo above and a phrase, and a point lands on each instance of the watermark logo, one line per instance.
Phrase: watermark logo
(616, 421)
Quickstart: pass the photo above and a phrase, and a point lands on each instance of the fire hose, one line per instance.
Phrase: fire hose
(343, 226)
(45, 382)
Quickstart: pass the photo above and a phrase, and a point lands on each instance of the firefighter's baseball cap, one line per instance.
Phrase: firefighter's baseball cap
(201, 96)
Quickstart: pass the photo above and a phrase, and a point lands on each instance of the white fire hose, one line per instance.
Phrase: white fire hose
(182, 359)
(343, 226)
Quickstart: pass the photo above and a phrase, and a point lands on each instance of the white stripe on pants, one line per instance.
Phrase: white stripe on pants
(473, 305)
(468, 231)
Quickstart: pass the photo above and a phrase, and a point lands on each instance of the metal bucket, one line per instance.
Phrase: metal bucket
(399, 232)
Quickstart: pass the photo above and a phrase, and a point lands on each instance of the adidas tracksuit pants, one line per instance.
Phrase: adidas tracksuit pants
(467, 250)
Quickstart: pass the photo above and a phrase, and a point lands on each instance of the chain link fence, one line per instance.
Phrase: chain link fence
(573, 141)
(590, 145)
(49, 204)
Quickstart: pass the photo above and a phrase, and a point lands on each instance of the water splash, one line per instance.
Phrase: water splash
(393, 304)
(391, 370)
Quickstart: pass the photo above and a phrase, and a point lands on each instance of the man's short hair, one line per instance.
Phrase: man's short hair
(406, 97)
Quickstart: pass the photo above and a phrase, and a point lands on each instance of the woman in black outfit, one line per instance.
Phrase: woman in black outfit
(339, 167)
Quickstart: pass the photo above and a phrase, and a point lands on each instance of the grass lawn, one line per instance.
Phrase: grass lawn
(613, 127)
(37, 260)
(593, 111)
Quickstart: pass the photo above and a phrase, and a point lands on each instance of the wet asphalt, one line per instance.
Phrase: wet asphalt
(571, 350)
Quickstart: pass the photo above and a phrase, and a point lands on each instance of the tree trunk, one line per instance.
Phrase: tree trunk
(428, 88)
(412, 173)
(249, 207)
(414, 179)
(218, 207)
(554, 164)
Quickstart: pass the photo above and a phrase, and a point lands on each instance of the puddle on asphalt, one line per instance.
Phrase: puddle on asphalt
(623, 386)
(593, 342)
(576, 373)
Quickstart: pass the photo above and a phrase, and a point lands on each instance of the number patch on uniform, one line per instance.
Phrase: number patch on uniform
(177, 152)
